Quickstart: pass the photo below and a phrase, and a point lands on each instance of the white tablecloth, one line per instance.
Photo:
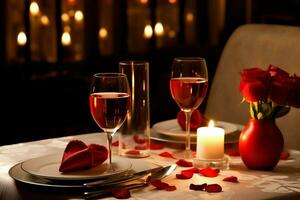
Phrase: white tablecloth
(281, 183)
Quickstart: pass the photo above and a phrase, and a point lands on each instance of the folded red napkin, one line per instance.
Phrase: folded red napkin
(197, 120)
(78, 155)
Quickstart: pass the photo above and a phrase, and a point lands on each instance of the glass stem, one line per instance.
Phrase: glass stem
(109, 141)
(187, 128)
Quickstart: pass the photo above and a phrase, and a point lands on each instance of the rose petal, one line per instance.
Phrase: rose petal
(116, 144)
(154, 146)
(121, 194)
(185, 175)
(170, 188)
(284, 155)
(140, 147)
(139, 140)
(133, 152)
(167, 154)
(159, 184)
(192, 170)
(212, 188)
(209, 172)
(232, 179)
(184, 163)
(198, 187)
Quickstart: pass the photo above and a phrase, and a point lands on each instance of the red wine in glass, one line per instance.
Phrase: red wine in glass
(188, 92)
(109, 109)
(188, 86)
(109, 103)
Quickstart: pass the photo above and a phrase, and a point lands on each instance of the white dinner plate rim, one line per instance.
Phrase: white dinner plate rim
(172, 128)
(35, 166)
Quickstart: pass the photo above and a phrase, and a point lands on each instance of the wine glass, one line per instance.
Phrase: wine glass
(109, 103)
(188, 85)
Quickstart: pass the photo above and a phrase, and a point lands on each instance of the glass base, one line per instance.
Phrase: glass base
(222, 163)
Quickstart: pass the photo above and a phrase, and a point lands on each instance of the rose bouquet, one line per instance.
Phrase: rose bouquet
(270, 93)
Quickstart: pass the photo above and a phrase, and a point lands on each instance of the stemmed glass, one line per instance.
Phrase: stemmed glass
(109, 103)
(188, 85)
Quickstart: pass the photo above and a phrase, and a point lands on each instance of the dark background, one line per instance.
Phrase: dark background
(43, 100)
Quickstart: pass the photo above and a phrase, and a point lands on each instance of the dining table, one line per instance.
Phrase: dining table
(283, 182)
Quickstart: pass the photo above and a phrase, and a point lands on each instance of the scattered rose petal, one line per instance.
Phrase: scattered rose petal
(154, 146)
(140, 147)
(171, 188)
(284, 155)
(159, 184)
(167, 154)
(133, 152)
(185, 175)
(209, 172)
(162, 185)
(198, 187)
(116, 144)
(193, 170)
(184, 163)
(121, 194)
(232, 179)
(212, 188)
(139, 140)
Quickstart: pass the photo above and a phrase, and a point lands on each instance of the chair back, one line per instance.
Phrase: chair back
(255, 45)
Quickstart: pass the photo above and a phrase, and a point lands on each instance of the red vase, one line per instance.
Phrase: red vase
(260, 144)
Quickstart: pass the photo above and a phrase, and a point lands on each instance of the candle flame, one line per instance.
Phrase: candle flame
(211, 123)
(21, 38)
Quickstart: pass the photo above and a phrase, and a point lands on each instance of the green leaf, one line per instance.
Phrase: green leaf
(252, 111)
(266, 110)
(260, 115)
(280, 111)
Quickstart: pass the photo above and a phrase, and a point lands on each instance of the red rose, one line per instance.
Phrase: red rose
(254, 84)
(276, 71)
(254, 91)
(284, 89)
(254, 74)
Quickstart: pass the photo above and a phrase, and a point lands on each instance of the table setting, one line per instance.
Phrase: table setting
(189, 156)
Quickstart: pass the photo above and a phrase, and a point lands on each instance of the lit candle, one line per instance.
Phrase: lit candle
(210, 142)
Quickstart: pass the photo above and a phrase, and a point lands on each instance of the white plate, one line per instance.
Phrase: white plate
(47, 167)
(172, 128)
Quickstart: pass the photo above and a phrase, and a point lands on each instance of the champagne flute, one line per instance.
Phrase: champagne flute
(109, 103)
(188, 85)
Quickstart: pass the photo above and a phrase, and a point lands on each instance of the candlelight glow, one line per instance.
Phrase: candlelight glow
(159, 29)
(189, 17)
(78, 16)
(66, 39)
(172, 1)
(211, 123)
(45, 20)
(65, 17)
(103, 33)
(144, 1)
(34, 8)
(172, 34)
(21, 38)
(148, 31)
